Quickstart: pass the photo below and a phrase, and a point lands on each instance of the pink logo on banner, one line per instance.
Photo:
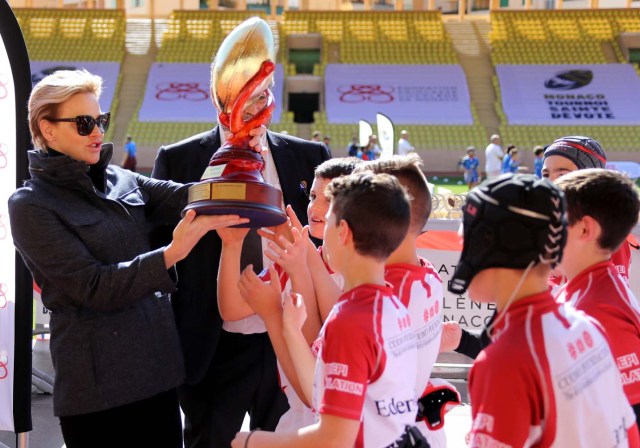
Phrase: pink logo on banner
(4, 369)
(4, 85)
(359, 93)
(174, 91)
(4, 149)
(3, 295)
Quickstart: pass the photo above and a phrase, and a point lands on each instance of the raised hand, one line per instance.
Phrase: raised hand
(451, 336)
(264, 298)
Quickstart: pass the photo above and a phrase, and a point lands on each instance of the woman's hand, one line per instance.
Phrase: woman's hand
(189, 231)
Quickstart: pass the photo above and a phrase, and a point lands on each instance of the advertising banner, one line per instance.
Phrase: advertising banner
(599, 94)
(180, 92)
(407, 94)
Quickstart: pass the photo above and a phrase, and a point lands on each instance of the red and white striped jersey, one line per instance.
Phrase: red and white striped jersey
(602, 293)
(366, 368)
(548, 380)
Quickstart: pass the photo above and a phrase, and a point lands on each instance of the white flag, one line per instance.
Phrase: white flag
(385, 135)
(365, 132)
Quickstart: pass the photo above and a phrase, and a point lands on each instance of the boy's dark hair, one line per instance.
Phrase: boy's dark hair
(608, 197)
(538, 150)
(408, 170)
(377, 209)
(511, 148)
(336, 167)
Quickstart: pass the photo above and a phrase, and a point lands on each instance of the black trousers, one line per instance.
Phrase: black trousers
(152, 422)
(243, 377)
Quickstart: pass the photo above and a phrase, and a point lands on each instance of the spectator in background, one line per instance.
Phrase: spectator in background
(470, 164)
(129, 162)
(538, 161)
(510, 161)
(315, 137)
(404, 147)
(493, 157)
(354, 148)
(372, 151)
(327, 144)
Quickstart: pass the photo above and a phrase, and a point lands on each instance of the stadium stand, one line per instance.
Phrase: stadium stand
(193, 36)
(357, 37)
(562, 37)
(75, 35)
(398, 37)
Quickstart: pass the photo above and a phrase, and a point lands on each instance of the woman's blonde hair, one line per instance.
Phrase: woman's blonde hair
(54, 90)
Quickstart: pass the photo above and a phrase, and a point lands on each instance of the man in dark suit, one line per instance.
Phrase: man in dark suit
(229, 373)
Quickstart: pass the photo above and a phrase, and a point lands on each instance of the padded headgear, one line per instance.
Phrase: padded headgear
(584, 152)
(509, 222)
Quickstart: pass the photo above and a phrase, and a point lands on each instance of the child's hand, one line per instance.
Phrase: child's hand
(294, 312)
(295, 222)
(264, 298)
(272, 233)
(451, 336)
(291, 256)
(231, 235)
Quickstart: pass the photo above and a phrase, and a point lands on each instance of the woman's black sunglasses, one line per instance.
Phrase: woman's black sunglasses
(86, 123)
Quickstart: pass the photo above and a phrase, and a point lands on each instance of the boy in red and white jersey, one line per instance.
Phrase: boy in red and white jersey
(413, 278)
(550, 361)
(595, 285)
(572, 153)
(293, 259)
(366, 366)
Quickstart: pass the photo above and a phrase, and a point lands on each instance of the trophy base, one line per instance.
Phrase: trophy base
(258, 201)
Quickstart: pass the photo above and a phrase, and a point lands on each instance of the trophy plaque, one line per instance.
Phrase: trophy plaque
(232, 184)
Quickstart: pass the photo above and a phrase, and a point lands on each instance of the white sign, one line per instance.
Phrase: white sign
(407, 94)
(180, 92)
(7, 273)
(602, 94)
(108, 71)
(470, 314)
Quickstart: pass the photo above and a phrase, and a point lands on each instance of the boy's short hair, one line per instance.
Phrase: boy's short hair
(538, 150)
(376, 207)
(471, 149)
(608, 197)
(336, 167)
(510, 221)
(408, 170)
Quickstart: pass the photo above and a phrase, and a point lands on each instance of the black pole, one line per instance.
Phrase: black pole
(16, 50)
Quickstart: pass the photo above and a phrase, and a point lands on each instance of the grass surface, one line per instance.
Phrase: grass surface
(455, 184)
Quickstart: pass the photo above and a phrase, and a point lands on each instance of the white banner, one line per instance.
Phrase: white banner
(180, 92)
(385, 136)
(7, 273)
(364, 132)
(599, 94)
(108, 71)
(471, 315)
(408, 94)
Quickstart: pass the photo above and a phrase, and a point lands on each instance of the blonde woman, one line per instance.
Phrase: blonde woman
(81, 226)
